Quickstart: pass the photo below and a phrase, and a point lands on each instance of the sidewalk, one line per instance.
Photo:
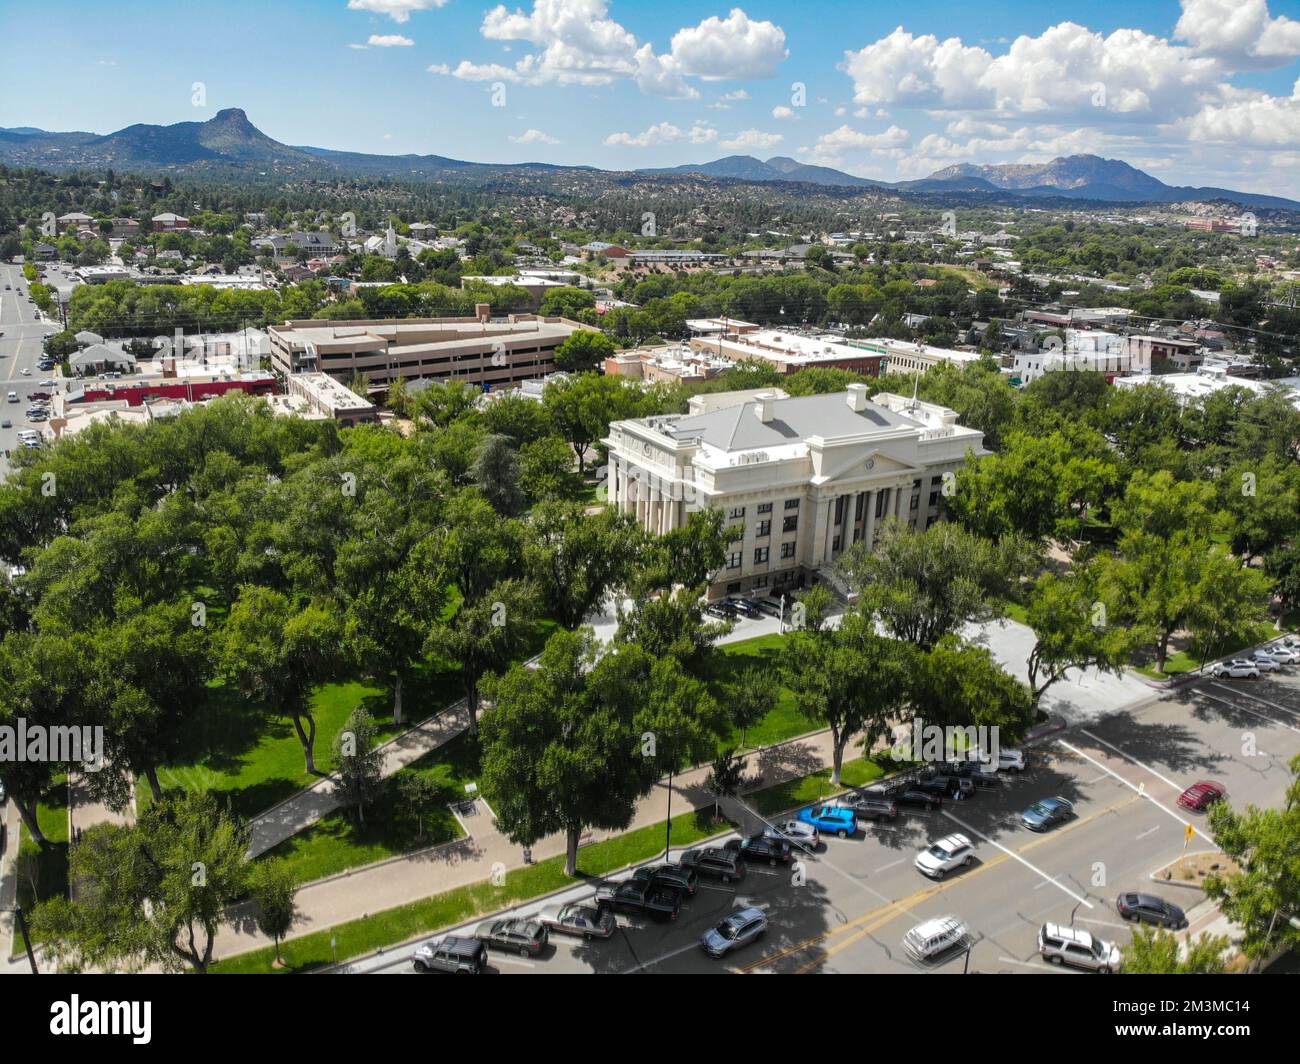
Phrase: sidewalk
(301, 810)
(408, 879)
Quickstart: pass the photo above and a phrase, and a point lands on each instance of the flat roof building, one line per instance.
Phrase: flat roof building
(322, 394)
(488, 354)
(790, 352)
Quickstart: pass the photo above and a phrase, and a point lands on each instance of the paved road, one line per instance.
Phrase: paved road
(1124, 773)
(20, 348)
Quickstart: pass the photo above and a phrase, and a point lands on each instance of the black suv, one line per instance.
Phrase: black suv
(761, 848)
(464, 956)
(916, 798)
(744, 606)
(715, 862)
(677, 877)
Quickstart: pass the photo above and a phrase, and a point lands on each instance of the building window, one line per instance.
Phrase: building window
(733, 588)
(764, 529)
(760, 555)
(916, 485)
(765, 507)
(733, 560)
(916, 503)
(737, 512)
(790, 524)
(792, 504)
(936, 480)
(860, 506)
(735, 533)
(835, 544)
(787, 550)
(760, 582)
(934, 498)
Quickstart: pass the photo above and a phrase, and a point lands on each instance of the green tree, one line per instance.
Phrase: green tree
(420, 796)
(578, 558)
(152, 893)
(496, 472)
(272, 887)
(751, 698)
(926, 584)
(725, 777)
(1154, 951)
(849, 678)
(277, 653)
(1262, 897)
(359, 764)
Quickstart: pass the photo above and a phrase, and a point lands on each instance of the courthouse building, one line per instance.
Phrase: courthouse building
(799, 479)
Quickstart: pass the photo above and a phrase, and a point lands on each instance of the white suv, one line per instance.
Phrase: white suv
(949, 853)
(935, 937)
(1068, 945)
(1238, 669)
(1282, 654)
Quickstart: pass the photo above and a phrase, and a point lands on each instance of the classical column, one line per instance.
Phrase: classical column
(827, 553)
(869, 528)
(898, 502)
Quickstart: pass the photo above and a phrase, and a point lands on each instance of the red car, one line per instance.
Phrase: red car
(1200, 796)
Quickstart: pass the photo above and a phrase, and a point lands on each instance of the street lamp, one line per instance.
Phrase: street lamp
(27, 938)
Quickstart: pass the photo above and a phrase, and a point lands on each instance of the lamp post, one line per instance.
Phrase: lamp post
(27, 938)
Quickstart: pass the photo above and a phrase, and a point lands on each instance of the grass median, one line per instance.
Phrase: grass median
(360, 937)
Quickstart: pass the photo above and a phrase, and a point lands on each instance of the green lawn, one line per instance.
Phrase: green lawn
(49, 867)
(808, 789)
(388, 928)
(1184, 662)
(784, 722)
(338, 842)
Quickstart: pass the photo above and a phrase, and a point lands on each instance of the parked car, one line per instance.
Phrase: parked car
(39, 395)
(585, 920)
(640, 898)
(949, 853)
(1047, 812)
(526, 937)
(833, 818)
(1011, 760)
(915, 798)
(1283, 654)
(678, 877)
(738, 929)
(744, 607)
(769, 607)
(946, 785)
(721, 610)
(6, 424)
(1149, 909)
(714, 862)
(455, 953)
(869, 806)
(1264, 662)
(761, 848)
(12, 397)
(1068, 945)
(795, 832)
(1200, 796)
(934, 937)
(1237, 669)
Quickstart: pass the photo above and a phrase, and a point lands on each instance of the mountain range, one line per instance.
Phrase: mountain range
(230, 144)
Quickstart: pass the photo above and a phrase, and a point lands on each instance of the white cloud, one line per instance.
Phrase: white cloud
(781, 111)
(751, 140)
(663, 133)
(577, 43)
(734, 47)
(1057, 73)
(831, 147)
(1260, 121)
(534, 136)
(439, 68)
(390, 40)
(1239, 32)
(397, 10)
(735, 94)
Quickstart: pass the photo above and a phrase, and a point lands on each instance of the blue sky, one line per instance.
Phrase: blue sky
(1195, 92)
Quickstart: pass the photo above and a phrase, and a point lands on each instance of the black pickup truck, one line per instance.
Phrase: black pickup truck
(640, 898)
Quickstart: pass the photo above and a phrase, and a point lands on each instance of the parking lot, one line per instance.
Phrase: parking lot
(20, 348)
(849, 906)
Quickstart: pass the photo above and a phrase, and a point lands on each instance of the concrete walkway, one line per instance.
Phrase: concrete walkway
(301, 810)
(403, 880)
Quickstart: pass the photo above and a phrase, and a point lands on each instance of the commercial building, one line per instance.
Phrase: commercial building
(321, 394)
(787, 352)
(673, 363)
(799, 479)
(903, 356)
(167, 222)
(479, 351)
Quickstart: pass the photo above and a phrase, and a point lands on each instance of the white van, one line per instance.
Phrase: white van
(928, 940)
(13, 397)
